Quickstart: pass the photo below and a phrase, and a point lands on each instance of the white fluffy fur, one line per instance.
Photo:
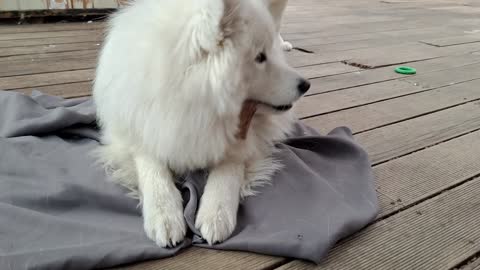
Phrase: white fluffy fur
(171, 80)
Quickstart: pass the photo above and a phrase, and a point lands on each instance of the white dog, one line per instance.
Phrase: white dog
(170, 84)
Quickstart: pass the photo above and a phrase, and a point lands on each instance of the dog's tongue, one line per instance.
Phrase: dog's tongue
(248, 110)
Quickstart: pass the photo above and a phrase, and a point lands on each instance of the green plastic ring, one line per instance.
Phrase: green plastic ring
(405, 70)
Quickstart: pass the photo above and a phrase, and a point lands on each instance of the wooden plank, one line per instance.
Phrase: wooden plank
(69, 90)
(49, 66)
(311, 41)
(27, 81)
(332, 101)
(59, 56)
(343, 99)
(22, 36)
(409, 179)
(329, 22)
(437, 234)
(406, 181)
(403, 53)
(389, 142)
(49, 48)
(206, 259)
(374, 57)
(53, 27)
(367, 77)
(386, 59)
(371, 116)
(326, 70)
(50, 41)
(389, 34)
(360, 28)
(375, 40)
(451, 41)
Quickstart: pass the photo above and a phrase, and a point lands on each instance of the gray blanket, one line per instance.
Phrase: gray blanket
(58, 211)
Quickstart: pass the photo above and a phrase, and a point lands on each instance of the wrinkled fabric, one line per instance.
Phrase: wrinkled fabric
(58, 209)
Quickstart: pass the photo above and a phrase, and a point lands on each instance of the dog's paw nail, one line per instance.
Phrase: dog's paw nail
(167, 229)
(287, 46)
(215, 226)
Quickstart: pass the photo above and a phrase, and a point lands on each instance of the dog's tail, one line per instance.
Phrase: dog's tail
(119, 166)
(259, 173)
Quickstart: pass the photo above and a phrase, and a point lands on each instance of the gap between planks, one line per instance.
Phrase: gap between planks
(408, 240)
(325, 103)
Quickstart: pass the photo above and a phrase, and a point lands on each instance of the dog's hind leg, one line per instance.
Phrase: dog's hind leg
(217, 215)
(161, 202)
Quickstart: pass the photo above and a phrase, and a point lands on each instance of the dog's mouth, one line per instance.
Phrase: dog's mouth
(279, 108)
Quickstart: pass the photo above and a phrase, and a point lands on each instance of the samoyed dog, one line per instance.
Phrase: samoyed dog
(171, 81)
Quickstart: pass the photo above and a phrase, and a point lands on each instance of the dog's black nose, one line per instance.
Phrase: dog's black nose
(303, 86)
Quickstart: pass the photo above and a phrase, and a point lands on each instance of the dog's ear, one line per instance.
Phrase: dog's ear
(276, 8)
(213, 24)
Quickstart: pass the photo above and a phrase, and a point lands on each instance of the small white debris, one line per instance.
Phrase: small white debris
(90, 22)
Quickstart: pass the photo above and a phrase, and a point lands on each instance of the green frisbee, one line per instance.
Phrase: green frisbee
(405, 70)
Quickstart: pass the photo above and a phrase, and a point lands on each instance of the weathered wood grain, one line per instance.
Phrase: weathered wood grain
(51, 27)
(436, 234)
(347, 98)
(67, 90)
(204, 259)
(51, 48)
(391, 111)
(27, 81)
(51, 41)
(389, 142)
(405, 181)
(367, 77)
(21, 36)
(451, 41)
(326, 70)
(59, 56)
(49, 66)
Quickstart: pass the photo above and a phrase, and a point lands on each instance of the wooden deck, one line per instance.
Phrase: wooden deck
(422, 132)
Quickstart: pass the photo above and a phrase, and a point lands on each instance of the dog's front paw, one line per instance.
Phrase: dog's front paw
(287, 46)
(215, 221)
(166, 227)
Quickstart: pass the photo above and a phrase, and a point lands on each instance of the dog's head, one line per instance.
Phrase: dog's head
(234, 48)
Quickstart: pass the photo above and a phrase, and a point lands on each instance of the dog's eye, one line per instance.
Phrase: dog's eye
(261, 57)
